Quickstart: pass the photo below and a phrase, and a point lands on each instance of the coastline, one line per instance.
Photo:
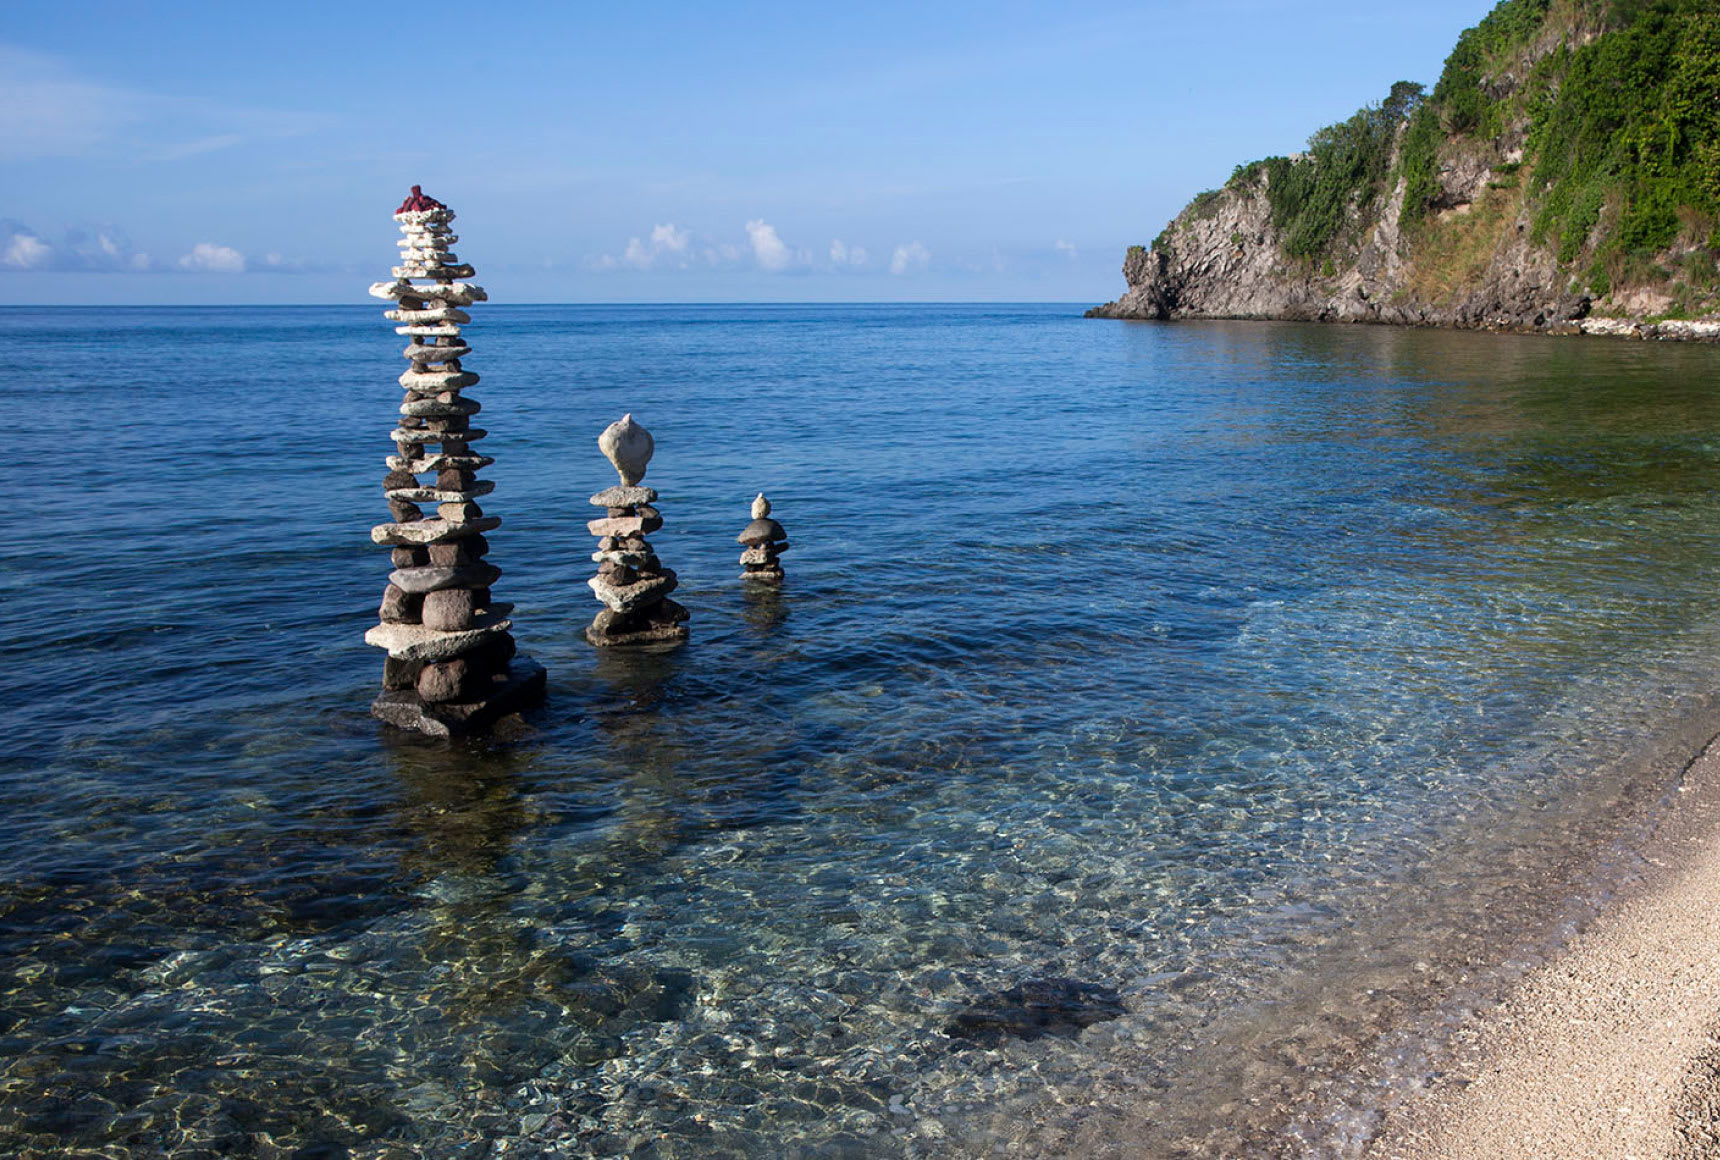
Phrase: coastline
(1610, 1046)
(1705, 330)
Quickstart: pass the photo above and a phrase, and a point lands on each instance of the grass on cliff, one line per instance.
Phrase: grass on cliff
(1454, 253)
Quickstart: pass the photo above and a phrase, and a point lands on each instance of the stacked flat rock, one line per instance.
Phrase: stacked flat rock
(764, 540)
(631, 582)
(451, 664)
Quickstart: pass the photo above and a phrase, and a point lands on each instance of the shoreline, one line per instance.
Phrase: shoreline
(1699, 330)
(1610, 1045)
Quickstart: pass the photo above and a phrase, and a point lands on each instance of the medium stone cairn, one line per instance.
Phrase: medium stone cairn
(764, 540)
(631, 582)
(451, 664)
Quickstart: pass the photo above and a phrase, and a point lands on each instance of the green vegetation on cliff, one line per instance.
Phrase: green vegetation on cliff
(1595, 122)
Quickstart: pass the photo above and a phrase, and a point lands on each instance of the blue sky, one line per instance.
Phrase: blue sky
(243, 152)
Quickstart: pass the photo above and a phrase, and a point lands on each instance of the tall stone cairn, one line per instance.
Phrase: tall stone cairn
(451, 664)
(631, 582)
(763, 540)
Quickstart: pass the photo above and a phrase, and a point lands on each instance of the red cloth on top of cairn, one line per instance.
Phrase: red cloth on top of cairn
(418, 201)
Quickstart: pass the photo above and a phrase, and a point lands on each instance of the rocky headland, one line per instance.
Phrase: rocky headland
(1563, 176)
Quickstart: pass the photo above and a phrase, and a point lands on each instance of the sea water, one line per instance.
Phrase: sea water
(1154, 716)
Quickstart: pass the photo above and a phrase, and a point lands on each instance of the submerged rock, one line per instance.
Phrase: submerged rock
(1036, 1007)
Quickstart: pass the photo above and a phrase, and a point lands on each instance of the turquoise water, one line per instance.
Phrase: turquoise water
(1153, 715)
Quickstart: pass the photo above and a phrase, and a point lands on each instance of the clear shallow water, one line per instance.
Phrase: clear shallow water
(1235, 686)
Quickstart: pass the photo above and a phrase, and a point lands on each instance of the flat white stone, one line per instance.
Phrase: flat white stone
(430, 382)
(414, 642)
(441, 314)
(614, 556)
(408, 435)
(420, 352)
(623, 497)
(443, 236)
(616, 526)
(625, 598)
(419, 270)
(432, 531)
(429, 256)
(763, 554)
(432, 409)
(413, 217)
(445, 330)
(434, 495)
(432, 578)
(438, 462)
(451, 293)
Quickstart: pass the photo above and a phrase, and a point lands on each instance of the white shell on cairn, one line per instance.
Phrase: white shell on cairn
(627, 446)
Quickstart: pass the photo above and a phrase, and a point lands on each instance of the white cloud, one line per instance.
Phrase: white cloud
(846, 255)
(78, 248)
(665, 240)
(28, 252)
(211, 258)
(669, 238)
(912, 256)
(769, 251)
(639, 255)
(1063, 247)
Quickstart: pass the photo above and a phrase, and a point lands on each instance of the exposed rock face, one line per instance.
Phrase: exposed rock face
(1225, 260)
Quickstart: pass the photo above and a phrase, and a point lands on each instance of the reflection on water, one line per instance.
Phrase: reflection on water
(1152, 715)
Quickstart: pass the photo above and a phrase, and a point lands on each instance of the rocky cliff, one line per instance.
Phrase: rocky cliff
(1523, 193)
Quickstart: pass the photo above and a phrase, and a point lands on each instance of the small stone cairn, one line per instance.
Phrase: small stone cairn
(631, 582)
(765, 541)
(451, 664)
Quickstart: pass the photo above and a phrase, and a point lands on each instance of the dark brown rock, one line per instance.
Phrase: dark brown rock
(464, 551)
(398, 479)
(666, 611)
(495, 653)
(448, 609)
(410, 557)
(403, 512)
(761, 531)
(399, 607)
(453, 479)
(446, 681)
(399, 674)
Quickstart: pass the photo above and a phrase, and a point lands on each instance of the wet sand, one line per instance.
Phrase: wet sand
(1611, 1048)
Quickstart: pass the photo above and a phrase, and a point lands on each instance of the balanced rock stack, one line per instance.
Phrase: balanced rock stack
(765, 541)
(451, 664)
(631, 582)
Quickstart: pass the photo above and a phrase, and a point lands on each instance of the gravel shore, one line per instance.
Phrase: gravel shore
(1611, 1049)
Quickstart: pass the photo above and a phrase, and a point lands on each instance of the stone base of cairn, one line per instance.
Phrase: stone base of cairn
(451, 667)
(632, 583)
(764, 541)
